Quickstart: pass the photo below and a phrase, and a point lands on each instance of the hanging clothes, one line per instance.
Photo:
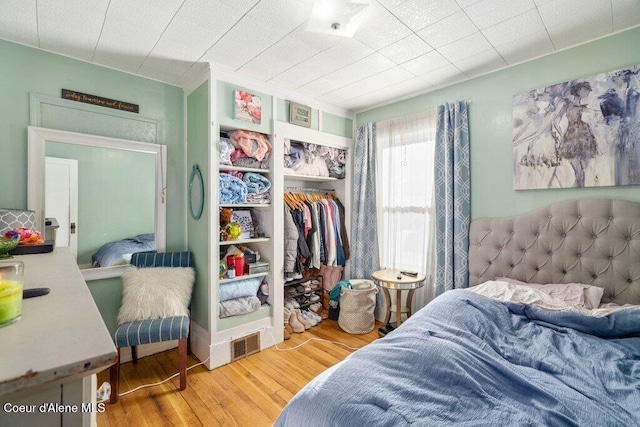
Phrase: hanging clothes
(321, 229)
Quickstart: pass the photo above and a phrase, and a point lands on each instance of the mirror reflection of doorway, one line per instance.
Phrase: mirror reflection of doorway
(61, 199)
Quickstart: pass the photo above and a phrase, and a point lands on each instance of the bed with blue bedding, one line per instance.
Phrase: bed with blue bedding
(119, 252)
(481, 357)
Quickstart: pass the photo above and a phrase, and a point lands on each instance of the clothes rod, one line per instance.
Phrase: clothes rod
(308, 190)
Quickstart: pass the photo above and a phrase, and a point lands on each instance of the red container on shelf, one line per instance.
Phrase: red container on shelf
(239, 262)
(231, 260)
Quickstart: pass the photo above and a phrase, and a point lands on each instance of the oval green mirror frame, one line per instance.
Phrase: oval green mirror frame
(196, 193)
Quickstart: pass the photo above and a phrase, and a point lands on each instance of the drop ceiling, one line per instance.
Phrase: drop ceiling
(402, 48)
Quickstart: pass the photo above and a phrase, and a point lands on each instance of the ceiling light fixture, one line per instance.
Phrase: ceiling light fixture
(337, 17)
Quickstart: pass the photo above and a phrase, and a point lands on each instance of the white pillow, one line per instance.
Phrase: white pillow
(586, 296)
(155, 292)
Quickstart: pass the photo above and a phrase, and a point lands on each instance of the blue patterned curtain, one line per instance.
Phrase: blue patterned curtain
(364, 241)
(453, 196)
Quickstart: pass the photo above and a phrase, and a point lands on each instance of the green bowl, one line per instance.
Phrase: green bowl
(6, 245)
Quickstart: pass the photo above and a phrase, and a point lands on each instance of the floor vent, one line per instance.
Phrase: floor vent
(245, 346)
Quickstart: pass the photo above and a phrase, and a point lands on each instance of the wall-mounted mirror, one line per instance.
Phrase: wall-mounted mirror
(117, 186)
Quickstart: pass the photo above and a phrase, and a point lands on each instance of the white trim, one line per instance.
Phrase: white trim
(37, 137)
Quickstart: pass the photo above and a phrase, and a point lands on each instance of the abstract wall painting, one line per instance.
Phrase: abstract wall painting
(581, 133)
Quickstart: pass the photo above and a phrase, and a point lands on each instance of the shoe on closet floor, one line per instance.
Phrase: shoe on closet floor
(307, 316)
(286, 317)
(300, 319)
(288, 276)
(293, 321)
(314, 316)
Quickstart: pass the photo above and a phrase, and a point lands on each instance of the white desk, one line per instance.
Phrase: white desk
(49, 356)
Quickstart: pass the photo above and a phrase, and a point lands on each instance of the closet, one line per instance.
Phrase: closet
(216, 333)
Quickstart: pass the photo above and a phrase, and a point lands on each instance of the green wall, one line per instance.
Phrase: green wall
(336, 125)
(198, 230)
(490, 126)
(25, 70)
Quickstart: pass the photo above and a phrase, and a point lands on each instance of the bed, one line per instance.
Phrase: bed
(472, 358)
(119, 252)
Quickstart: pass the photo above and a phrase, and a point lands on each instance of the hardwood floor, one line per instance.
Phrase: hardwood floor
(251, 391)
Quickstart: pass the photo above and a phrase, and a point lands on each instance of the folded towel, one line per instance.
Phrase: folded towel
(256, 183)
(231, 189)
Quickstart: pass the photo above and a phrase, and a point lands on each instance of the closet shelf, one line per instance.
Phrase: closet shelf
(244, 205)
(244, 276)
(242, 169)
(243, 241)
(308, 178)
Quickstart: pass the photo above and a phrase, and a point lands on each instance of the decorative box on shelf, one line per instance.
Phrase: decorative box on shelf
(258, 267)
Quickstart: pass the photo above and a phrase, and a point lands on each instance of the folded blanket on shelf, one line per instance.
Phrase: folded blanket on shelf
(240, 288)
(226, 149)
(231, 189)
(254, 144)
(238, 306)
(259, 199)
(256, 183)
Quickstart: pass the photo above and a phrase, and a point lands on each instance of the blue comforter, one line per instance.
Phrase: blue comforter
(467, 359)
(119, 252)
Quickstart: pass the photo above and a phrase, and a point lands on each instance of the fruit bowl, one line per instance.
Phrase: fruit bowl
(6, 245)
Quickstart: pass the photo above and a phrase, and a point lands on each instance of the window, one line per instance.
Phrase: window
(405, 190)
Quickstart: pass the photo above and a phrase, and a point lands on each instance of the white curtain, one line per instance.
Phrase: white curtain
(405, 195)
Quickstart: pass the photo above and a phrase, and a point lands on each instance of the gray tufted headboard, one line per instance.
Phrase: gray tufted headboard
(591, 241)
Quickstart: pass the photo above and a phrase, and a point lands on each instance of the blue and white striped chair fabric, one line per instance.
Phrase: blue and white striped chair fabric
(153, 330)
(149, 331)
(166, 259)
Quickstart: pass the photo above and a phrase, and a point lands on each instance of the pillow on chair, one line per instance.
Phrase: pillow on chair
(150, 293)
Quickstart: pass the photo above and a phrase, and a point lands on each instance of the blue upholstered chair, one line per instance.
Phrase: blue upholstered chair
(132, 334)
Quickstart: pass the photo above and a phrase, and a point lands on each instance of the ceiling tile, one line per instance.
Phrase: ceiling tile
(482, 63)
(18, 21)
(523, 25)
(193, 30)
(372, 64)
(345, 53)
(626, 13)
(381, 31)
(524, 48)
(448, 30)
(390, 4)
(319, 87)
(465, 3)
(541, 2)
(261, 27)
(465, 47)
(427, 62)
(293, 49)
(79, 34)
(137, 25)
(417, 14)
(486, 13)
(443, 76)
(573, 14)
(563, 37)
(371, 83)
(406, 49)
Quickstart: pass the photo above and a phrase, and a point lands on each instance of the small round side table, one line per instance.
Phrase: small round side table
(390, 279)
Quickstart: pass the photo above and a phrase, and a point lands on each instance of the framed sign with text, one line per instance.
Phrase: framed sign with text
(299, 114)
(99, 100)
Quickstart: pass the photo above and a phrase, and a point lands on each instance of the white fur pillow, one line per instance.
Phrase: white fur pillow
(150, 293)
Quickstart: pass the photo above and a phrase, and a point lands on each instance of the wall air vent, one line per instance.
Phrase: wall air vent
(245, 346)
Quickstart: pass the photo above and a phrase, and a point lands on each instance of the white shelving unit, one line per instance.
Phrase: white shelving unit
(211, 335)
